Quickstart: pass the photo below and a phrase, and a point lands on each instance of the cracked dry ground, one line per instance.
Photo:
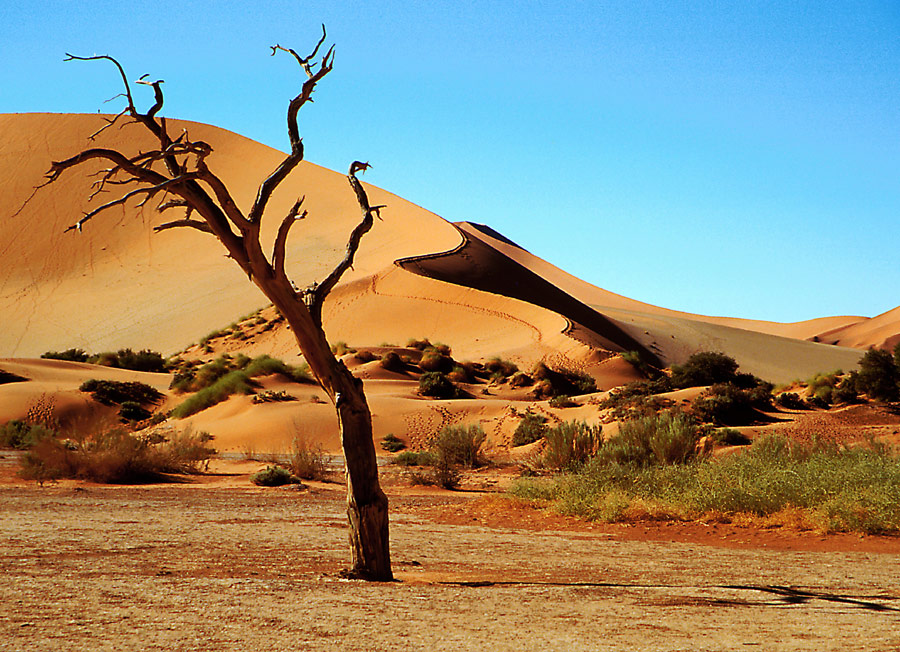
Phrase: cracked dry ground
(181, 567)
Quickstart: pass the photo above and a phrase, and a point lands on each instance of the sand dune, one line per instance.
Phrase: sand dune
(882, 331)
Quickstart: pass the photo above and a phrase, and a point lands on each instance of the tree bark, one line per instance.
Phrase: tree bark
(367, 505)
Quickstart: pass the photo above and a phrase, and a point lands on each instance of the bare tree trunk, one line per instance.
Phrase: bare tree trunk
(367, 505)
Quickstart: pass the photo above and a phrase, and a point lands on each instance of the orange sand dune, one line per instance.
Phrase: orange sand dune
(118, 284)
(882, 332)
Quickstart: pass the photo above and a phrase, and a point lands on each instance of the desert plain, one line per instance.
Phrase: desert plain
(214, 562)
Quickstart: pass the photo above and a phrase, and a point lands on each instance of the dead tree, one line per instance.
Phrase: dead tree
(177, 173)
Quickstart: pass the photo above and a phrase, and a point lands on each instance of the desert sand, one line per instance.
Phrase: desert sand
(219, 564)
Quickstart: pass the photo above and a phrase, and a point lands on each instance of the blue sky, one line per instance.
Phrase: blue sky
(738, 159)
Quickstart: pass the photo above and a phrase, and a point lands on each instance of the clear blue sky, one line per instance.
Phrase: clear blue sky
(739, 158)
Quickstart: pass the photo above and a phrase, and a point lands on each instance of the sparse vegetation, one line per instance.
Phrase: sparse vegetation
(531, 428)
(879, 376)
(113, 392)
(834, 488)
(569, 445)
(658, 439)
(23, 435)
(117, 456)
(562, 401)
(392, 362)
(437, 385)
(308, 460)
(705, 368)
(144, 360)
(561, 381)
(500, 369)
(392, 443)
(273, 476)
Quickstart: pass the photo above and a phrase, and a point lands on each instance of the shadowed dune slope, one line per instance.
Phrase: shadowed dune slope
(118, 284)
(882, 331)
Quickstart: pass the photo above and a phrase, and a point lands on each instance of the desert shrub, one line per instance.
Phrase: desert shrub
(113, 392)
(458, 445)
(638, 399)
(143, 360)
(419, 345)
(724, 404)
(437, 385)
(658, 439)
(845, 391)
(340, 348)
(790, 400)
(520, 379)
(562, 401)
(704, 368)
(273, 476)
(72, 355)
(531, 428)
(22, 435)
(434, 360)
(561, 380)
(833, 488)
(729, 437)
(392, 362)
(500, 369)
(308, 461)
(392, 443)
(117, 456)
(188, 378)
(365, 355)
(460, 374)
(133, 411)
(878, 376)
(570, 444)
(413, 458)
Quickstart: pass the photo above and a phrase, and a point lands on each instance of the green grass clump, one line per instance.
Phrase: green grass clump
(459, 445)
(437, 385)
(234, 382)
(392, 443)
(569, 445)
(834, 488)
(656, 439)
(273, 476)
(413, 458)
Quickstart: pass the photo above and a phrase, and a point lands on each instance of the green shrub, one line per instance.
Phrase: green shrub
(392, 443)
(113, 392)
(499, 369)
(392, 362)
(561, 380)
(340, 348)
(531, 428)
(570, 444)
(562, 401)
(704, 368)
(273, 476)
(71, 355)
(22, 435)
(459, 445)
(658, 439)
(878, 376)
(790, 400)
(437, 385)
(234, 382)
(133, 411)
(365, 356)
(434, 360)
(413, 458)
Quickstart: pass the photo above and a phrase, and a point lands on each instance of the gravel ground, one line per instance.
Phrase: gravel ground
(182, 567)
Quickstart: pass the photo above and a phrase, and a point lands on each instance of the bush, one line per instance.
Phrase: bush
(729, 437)
(833, 488)
(71, 355)
(704, 368)
(723, 404)
(554, 382)
(500, 369)
(365, 355)
(790, 400)
(531, 428)
(113, 392)
(413, 458)
(22, 435)
(273, 476)
(341, 348)
(570, 444)
(434, 360)
(562, 401)
(234, 382)
(659, 439)
(437, 385)
(458, 445)
(133, 411)
(878, 376)
(308, 461)
(392, 362)
(117, 456)
(392, 443)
